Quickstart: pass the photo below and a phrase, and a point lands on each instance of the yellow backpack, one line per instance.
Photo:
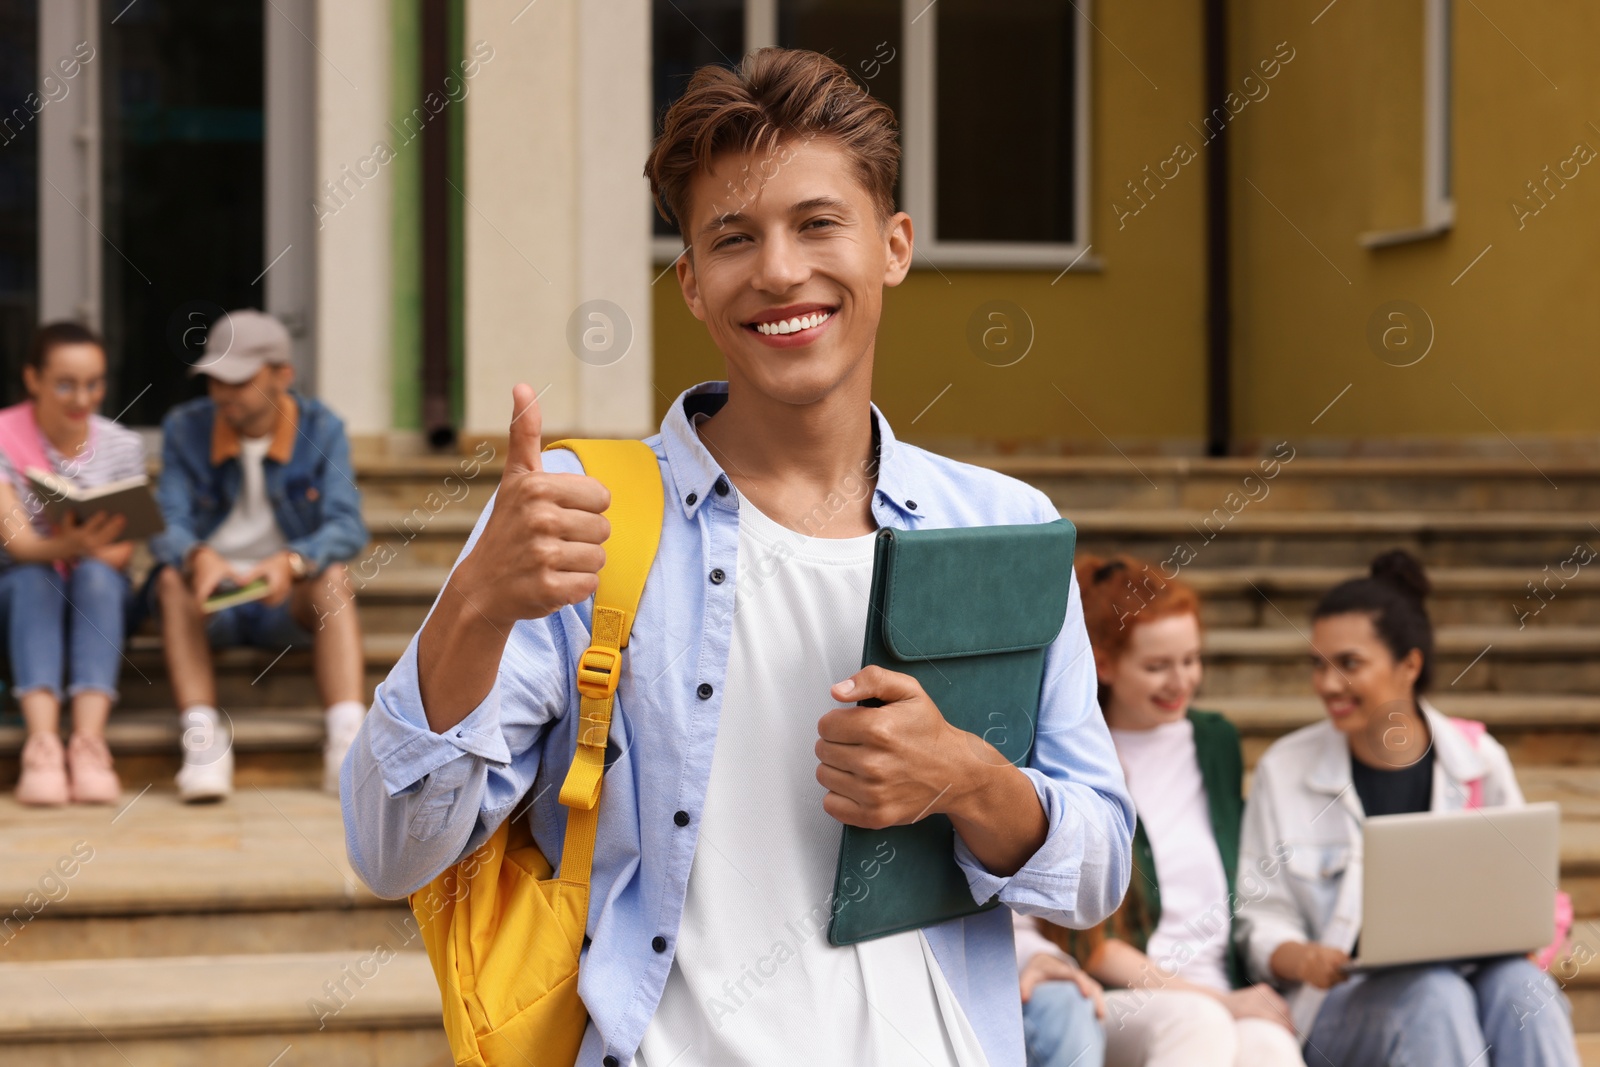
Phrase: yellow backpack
(503, 932)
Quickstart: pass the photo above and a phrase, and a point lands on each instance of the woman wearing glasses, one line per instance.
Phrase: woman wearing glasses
(64, 590)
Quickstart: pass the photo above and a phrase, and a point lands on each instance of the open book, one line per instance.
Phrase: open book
(130, 498)
(229, 594)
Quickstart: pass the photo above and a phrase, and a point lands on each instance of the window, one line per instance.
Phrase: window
(991, 98)
(1410, 125)
(22, 97)
(1438, 203)
(686, 35)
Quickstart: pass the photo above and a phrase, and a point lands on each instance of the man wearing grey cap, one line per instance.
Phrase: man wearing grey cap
(256, 484)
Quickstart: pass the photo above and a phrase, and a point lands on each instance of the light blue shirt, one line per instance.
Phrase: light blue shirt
(417, 801)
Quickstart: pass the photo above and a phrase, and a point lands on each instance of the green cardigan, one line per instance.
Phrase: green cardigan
(1216, 744)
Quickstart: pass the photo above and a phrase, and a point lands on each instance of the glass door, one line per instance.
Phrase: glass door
(182, 131)
(21, 101)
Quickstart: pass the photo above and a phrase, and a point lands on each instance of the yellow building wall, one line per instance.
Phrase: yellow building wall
(1335, 152)
(1327, 149)
(1126, 344)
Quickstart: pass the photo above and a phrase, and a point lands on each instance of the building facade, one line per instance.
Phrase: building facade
(443, 198)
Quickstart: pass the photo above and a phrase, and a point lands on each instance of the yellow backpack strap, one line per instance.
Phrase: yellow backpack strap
(630, 470)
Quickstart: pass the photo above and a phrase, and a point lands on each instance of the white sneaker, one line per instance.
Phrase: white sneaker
(207, 772)
(344, 722)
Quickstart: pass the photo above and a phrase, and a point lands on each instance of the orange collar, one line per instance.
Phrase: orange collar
(225, 439)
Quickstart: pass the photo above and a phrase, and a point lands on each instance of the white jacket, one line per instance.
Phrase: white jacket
(1300, 849)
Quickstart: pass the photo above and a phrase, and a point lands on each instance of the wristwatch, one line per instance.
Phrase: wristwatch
(298, 566)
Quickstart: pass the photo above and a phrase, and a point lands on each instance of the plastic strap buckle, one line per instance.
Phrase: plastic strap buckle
(598, 672)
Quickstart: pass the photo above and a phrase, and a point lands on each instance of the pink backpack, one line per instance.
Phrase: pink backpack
(1472, 730)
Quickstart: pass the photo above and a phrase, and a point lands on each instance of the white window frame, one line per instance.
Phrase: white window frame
(1438, 203)
(918, 126)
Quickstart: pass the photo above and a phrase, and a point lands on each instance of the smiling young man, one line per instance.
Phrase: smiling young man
(737, 751)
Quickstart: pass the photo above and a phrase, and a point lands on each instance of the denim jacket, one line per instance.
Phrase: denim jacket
(307, 471)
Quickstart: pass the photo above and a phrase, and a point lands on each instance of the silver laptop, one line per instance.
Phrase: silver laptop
(1458, 885)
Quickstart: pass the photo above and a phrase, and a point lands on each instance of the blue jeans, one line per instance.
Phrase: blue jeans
(1059, 1028)
(79, 621)
(255, 623)
(1446, 1016)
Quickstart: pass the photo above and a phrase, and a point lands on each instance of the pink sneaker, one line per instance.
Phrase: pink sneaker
(44, 772)
(93, 780)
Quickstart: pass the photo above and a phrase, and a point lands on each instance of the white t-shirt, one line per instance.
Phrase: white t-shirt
(754, 979)
(250, 532)
(1163, 776)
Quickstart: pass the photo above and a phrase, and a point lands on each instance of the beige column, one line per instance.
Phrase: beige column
(354, 197)
(557, 223)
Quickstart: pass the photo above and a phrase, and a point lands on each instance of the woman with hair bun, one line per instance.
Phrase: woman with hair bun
(1175, 992)
(1382, 750)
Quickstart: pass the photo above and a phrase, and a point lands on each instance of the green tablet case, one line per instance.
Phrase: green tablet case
(969, 613)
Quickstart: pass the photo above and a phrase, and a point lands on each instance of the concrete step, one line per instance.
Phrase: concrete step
(262, 872)
(1306, 482)
(1278, 596)
(1537, 730)
(426, 481)
(1253, 537)
(1260, 536)
(413, 537)
(1502, 659)
(1310, 482)
(271, 746)
(364, 1008)
(260, 850)
(1579, 977)
(1258, 661)
(248, 677)
(396, 598)
(158, 933)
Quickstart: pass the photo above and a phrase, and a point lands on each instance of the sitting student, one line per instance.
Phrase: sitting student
(1175, 992)
(735, 762)
(256, 483)
(1061, 1005)
(1382, 750)
(64, 593)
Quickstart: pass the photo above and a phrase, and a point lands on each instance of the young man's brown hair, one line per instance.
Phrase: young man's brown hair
(776, 93)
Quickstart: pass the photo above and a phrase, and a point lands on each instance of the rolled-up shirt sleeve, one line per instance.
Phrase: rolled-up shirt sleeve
(416, 800)
(1078, 876)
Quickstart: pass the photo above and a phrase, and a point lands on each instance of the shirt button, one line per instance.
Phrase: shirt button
(681, 818)
(912, 504)
(717, 577)
(658, 943)
(691, 498)
(704, 690)
(722, 485)
(610, 1061)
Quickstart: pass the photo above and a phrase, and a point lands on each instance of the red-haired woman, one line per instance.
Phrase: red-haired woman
(1175, 990)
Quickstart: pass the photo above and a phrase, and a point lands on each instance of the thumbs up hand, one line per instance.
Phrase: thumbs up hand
(541, 548)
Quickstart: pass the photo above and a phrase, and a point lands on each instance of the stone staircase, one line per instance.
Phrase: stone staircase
(233, 933)
(180, 936)
(205, 935)
(1513, 553)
